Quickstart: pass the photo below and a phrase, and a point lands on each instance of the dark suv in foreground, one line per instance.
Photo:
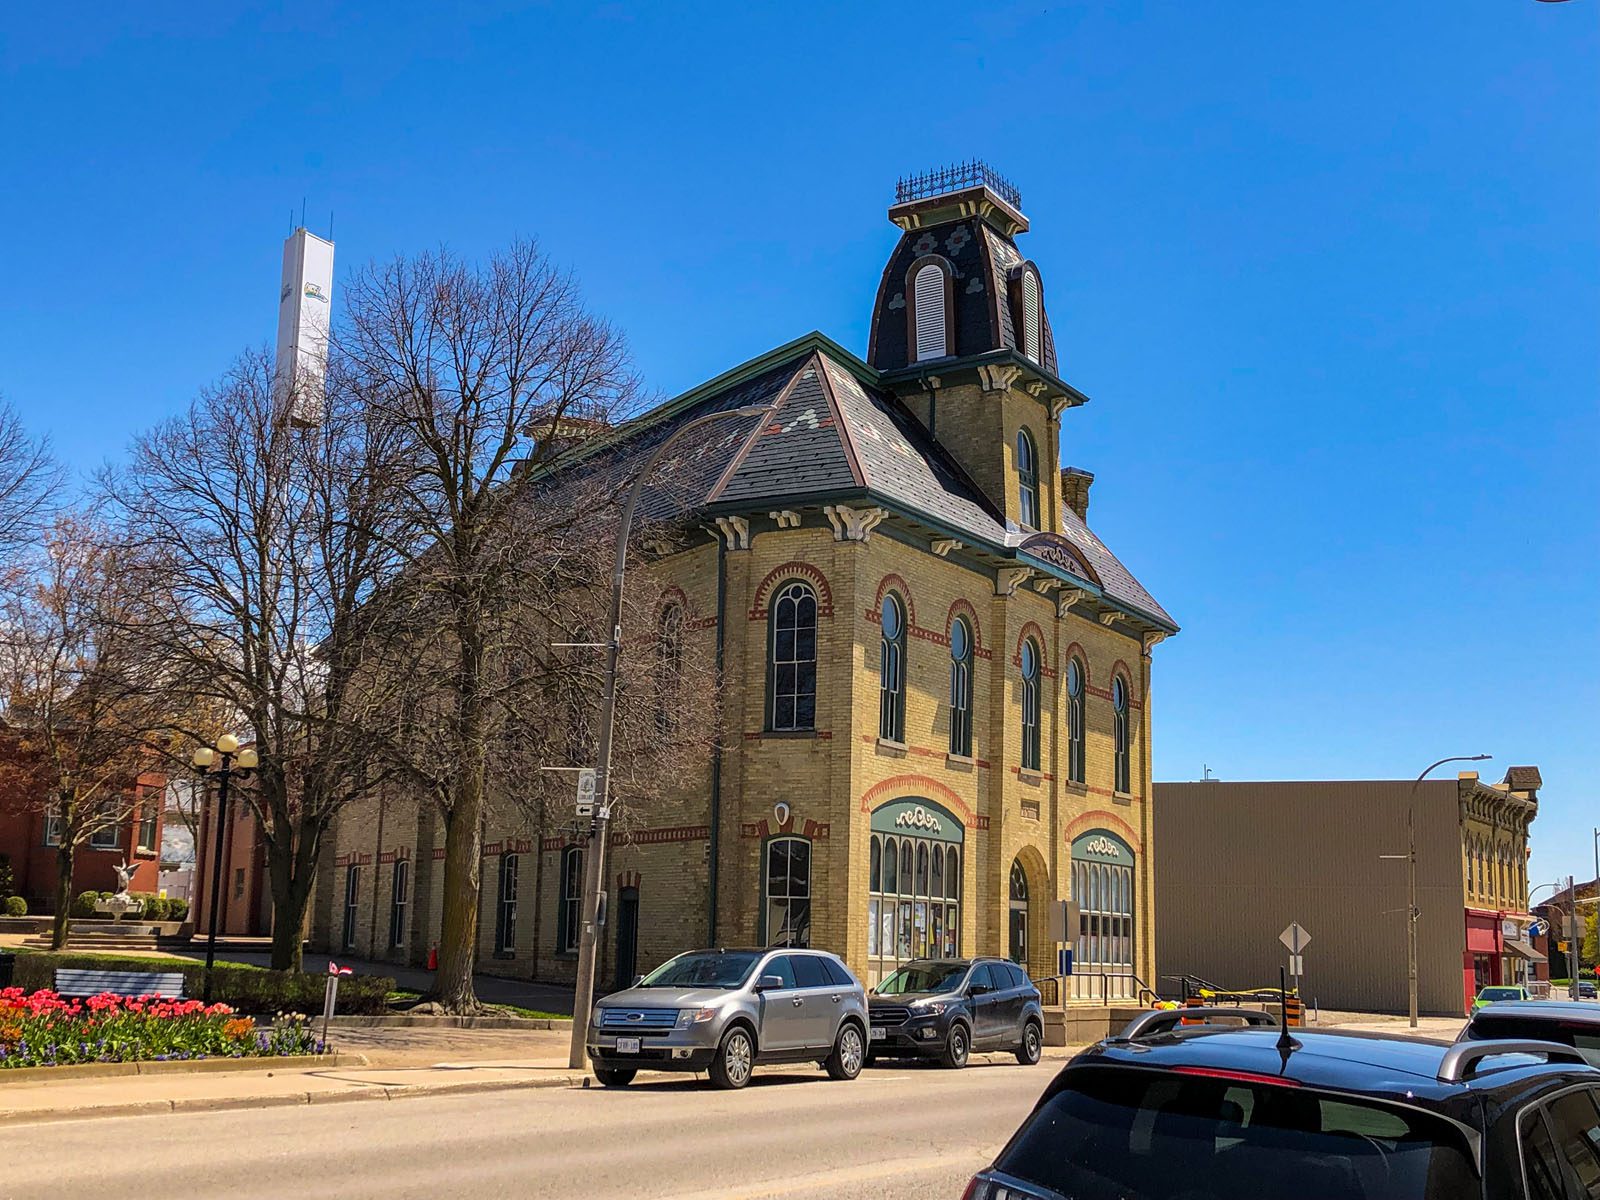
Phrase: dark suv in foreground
(946, 1008)
(1210, 1113)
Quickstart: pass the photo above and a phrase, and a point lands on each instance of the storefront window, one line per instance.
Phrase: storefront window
(914, 885)
(1102, 883)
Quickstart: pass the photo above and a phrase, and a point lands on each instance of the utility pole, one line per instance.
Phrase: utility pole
(594, 857)
(1575, 961)
(1412, 911)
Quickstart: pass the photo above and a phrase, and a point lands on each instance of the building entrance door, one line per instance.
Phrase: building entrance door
(627, 936)
(1019, 915)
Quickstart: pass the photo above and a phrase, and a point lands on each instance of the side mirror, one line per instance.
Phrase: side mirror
(979, 989)
(637, 980)
(769, 983)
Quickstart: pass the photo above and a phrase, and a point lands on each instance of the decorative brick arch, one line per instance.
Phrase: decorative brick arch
(1076, 650)
(1121, 668)
(1104, 820)
(901, 586)
(789, 570)
(670, 595)
(900, 787)
(1031, 629)
(963, 608)
(628, 879)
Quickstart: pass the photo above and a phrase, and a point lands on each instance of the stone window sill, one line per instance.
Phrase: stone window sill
(963, 761)
(891, 745)
(1030, 777)
(788, 733)
(1124, 797)
(1073, 786)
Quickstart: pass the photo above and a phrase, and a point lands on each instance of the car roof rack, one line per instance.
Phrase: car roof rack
(1460, 1061)
(1164, 1019)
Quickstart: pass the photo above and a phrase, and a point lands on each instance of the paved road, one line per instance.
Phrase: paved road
(895, 1132)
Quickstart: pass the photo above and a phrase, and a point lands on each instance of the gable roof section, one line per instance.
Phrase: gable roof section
(802, 449)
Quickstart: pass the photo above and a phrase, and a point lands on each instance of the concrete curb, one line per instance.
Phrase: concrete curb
(194, 1066)
(138, 1108)
(403, 1021)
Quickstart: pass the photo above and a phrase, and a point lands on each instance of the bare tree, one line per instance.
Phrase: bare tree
(29, 482)
(259, 542)
(485, 373)
(83, 710)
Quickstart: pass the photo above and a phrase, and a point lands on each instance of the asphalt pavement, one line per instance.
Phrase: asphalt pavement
(897, 1131)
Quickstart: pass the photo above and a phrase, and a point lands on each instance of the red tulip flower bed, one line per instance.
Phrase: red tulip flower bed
(42, 1029)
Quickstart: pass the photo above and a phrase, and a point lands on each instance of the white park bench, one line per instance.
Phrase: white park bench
(166, 984)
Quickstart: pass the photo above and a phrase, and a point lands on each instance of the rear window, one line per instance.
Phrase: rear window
(1585, 1039)
(1132, 1134)
(809, 971)
(837, 973)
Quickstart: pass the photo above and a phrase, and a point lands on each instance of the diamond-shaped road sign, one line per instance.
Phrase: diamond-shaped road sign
(1294, 938)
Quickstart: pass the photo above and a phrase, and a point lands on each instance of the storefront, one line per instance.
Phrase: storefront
(1498, 951)
(1102, 884)
(914, 869)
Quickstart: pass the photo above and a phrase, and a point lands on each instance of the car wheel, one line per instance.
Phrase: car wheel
(849, 1053)
(618, 1077)
(1032, 1045)
(735, 1059)
(956, 1047)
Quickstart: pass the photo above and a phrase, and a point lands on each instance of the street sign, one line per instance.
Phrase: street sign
(1296, 965)
(586, 790)
(1294, 939)
(1063, 961)
(1064, 921)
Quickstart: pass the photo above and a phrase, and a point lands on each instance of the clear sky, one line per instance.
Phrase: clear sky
(1329, 272)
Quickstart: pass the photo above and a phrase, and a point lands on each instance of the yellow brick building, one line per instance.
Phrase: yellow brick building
(937, 684)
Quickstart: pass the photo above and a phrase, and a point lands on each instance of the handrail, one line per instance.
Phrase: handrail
(1052, 987)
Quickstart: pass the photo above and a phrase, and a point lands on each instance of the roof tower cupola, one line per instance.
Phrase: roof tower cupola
(956, 286)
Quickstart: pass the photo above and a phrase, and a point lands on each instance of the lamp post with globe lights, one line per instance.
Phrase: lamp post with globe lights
(226, 762)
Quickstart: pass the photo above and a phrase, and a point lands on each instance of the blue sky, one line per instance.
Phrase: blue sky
(1330, 274)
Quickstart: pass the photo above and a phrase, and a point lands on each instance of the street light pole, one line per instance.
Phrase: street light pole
(1412, 912)
(594, 859)
(204, 757)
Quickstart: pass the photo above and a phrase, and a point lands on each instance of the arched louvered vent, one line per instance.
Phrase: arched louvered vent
(1030, 316)
(928, 295)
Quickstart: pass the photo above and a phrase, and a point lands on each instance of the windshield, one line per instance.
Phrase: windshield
(924, 977)
(704, 969)
(1133, 1134)
(1500, 993)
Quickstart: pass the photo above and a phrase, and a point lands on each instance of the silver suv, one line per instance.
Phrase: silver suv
(727, 1011)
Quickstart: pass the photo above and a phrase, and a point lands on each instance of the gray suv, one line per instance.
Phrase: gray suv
(728, 1011)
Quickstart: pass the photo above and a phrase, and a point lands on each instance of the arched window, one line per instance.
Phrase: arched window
(960, 687)
(399, 899)
(569, 910)
(892, 671)
(1032, 322)
(1030, 705)
(913, 898)
(930, 289)
(669, 666)
(1075, 727)
(787, 886)
(792, 675)
(1027, 480)
(1119, 708)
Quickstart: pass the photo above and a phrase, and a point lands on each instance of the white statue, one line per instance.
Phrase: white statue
(124, 878)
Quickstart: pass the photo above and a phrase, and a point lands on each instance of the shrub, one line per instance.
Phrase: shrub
(155, 909)
(83, 904)
(8, 880)
(15, 906)
(249, 989)
(177, 908)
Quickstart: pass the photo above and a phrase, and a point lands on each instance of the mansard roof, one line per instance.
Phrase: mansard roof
(836, 437)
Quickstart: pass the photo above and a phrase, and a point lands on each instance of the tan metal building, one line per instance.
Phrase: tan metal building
(1236, 863)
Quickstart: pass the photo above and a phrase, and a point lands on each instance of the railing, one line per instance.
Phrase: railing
(1053, 987)
(953, 179)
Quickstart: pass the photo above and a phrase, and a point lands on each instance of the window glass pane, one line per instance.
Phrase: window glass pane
(1539, 1160)
(952, 931)
(874, 865)
(952, 873)
(922, 868)
(886, 929)
(936, 878)
(906, 870)
(920, 929)
(809, 972)
(958, 641)
(799, 868)
(872, 927)
(903, 945)
(936, 929)
(1575, 1125)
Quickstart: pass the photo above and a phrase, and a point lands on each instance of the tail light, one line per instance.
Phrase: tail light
(985, 1187)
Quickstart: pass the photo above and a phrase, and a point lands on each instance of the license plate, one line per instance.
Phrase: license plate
(878, 1033)
(627, 1045)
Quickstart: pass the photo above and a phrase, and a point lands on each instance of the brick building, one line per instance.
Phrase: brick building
(1236, 862)
(29, 840)
(937, 678)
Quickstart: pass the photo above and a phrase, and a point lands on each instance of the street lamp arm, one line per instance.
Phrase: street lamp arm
(1453, 758)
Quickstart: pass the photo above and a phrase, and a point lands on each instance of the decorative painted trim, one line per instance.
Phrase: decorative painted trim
(786, 518)
(1066, 597)
(942, 546)
(735, 531)
(998, 377)
(398, 854)
(853, 524)
(817, 831)
(676, 833)
(1151, 638)
(1103, 820)
(964, 608)
(1109, 616)
(1028, 629)
(904, 588)
(628, 879)
(813, 575)
(507, 846)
